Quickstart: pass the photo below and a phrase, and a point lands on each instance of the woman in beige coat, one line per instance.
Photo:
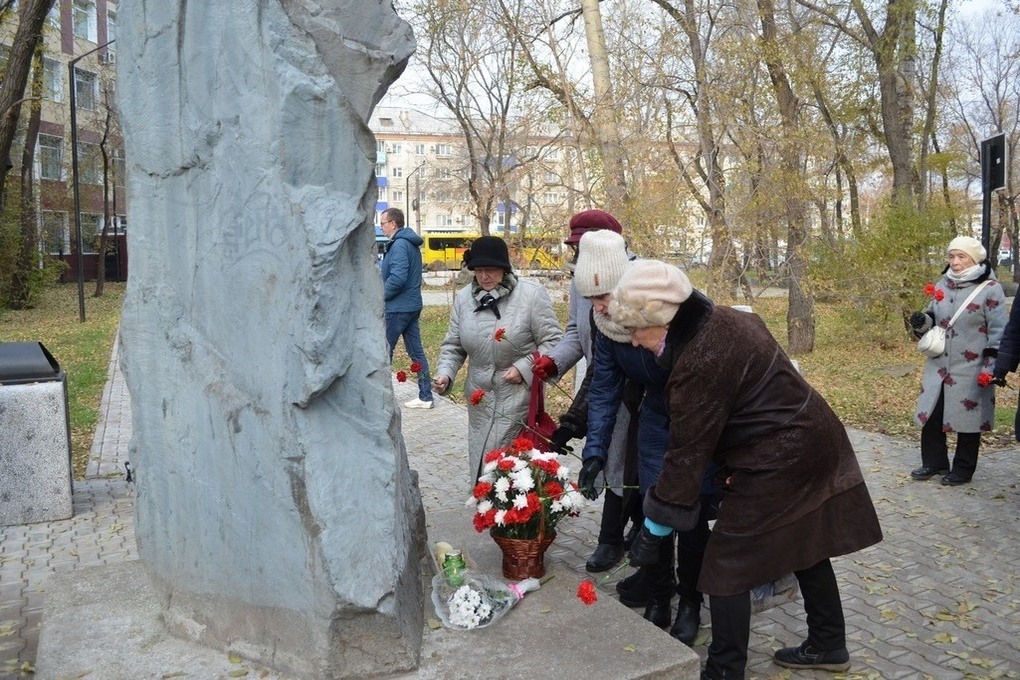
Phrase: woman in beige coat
(495, 299)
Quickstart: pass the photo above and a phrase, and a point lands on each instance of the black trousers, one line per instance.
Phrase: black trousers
(731, 622)
(616, 512)
(934, 450)
(690, 550)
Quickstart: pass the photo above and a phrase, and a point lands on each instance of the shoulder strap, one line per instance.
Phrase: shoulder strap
(970, 298)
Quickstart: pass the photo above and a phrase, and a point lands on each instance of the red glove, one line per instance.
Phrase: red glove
(544, 367)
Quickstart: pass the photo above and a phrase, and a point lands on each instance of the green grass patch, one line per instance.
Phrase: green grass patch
(82, 350)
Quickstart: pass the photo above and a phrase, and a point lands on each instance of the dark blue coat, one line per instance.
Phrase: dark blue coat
(401, 272)
(613, 363)
(1009, 354)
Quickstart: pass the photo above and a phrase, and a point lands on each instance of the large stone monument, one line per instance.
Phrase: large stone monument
(276, 512)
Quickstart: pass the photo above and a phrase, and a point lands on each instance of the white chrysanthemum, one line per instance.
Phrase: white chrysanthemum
(500, 517)
(522, 479)
(489, 467)
(521, 501)
(519, 464)
(563, 472)
(484, 506)
(556, 506)
(540, 455)
(501, 487)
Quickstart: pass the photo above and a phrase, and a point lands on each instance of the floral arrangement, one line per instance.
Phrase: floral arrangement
(480, 601)
(934, 292)
(523, 492)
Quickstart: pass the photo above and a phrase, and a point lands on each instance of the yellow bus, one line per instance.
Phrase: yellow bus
(445, 250)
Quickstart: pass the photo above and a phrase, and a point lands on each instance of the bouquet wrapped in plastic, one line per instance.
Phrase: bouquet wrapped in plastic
(479, 600)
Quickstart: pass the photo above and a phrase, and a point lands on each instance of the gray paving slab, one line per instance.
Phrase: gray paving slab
(938, 598)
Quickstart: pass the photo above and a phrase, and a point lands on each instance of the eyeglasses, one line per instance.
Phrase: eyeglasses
(387, 222)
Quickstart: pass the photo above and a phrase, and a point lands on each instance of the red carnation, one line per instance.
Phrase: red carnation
(416, 366)
(495, 454)
(401, 376)
(477, 396)
(500, 332)
(985, 378)
(553, 489)
(521, 444)
(586, 592)
(939, 294)
(481, 489)
(929, 289)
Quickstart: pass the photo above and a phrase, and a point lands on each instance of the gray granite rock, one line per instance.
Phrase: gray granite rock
(276, 510)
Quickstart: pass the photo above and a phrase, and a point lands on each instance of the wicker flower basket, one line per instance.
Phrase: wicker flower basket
(523, 557)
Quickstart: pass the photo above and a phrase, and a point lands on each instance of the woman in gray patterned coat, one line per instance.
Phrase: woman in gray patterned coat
(957, 394)
(495, 299)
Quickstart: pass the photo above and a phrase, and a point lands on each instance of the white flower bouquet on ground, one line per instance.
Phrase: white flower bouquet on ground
(480, 601)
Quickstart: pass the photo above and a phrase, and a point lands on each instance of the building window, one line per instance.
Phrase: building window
(53, 81)
(380, 146)
(444, 173)
(86, 90)
(553, 154)
(119, 168)
(550, 198)
(91, 225)
(111, 30)
(396, 172)
(53, 16)
(551, 178)
(397, 196)
(395, 147)
(419, 149)
(51, 156)
(444, 221)
(380, 169)
(56, 239)
(90, 163)
(84, 16)
(382, 195)
(443, 150)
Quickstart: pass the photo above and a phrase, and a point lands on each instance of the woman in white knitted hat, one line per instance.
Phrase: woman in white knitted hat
(617, 368)
(957, 394)
(795, 496)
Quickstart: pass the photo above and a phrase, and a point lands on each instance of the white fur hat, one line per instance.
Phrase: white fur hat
(649, 294)
(969, 245)
(601, 261)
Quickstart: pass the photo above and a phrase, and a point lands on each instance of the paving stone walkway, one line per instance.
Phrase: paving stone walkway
(938, 598)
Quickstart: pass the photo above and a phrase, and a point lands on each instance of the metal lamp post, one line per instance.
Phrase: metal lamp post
(407, 195)
(74, 178)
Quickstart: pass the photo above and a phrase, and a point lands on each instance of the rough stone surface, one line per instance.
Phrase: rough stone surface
(276, 511)
(35, 466)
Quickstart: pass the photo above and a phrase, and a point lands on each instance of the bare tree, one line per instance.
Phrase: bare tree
(28, 35)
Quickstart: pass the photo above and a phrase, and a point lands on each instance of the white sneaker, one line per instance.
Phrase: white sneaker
(418, 403)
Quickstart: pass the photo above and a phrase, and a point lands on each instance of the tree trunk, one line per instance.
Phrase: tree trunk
(15, 77)
(28, 253)
(800, 321)
(617, 198)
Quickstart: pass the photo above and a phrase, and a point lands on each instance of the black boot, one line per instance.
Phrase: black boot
(688, 622)
(660, 610)
(636, 589)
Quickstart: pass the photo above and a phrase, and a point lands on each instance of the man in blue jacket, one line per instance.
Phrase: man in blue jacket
(401, 272)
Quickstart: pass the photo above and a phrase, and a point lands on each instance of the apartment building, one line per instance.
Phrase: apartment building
(422, 165)
(83, 32)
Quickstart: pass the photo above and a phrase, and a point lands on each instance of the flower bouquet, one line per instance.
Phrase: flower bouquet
(523, 492)
(480, 601)
(520, 497)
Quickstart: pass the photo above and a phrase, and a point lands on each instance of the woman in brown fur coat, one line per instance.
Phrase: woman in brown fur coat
(795, 494)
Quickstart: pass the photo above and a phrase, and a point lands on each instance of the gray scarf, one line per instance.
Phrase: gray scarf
(489, 299)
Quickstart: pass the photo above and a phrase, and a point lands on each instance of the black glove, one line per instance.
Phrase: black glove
(590, 469)
(559, 438)
(918, 320)
(999, 379)
(644, 551)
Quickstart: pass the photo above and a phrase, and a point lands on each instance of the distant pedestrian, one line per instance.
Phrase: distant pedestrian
(401, 273)
(957, 394)
(1009, 356)
(500, 370)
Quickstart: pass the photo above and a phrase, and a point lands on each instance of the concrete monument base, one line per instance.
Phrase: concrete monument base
(107, 621)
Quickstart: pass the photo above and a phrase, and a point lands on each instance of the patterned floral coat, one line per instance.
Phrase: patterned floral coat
(971, 346)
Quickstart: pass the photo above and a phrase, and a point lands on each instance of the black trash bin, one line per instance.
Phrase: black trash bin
(35, 436)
